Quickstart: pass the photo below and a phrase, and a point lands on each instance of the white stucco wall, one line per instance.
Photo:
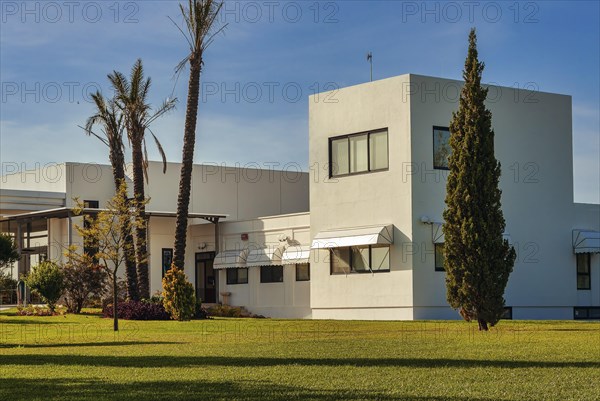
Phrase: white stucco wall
(289, 299)
(533, 142)
(376, 198)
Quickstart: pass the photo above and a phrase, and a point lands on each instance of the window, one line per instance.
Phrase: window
(583, 271)
(439, 257)
(360, 259)
(167, 259)
(590, 312)
(441, 147)
(507, 313)
(237, 276)
(271, 274)
(91, 204)
(90, 247)
(358, 153)
(303, 272)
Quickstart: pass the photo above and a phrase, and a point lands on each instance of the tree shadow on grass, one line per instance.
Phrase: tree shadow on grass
(85, 344)
(200, 361)
(66, 390)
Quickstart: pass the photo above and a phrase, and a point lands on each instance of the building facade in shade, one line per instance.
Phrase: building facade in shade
(371, 246)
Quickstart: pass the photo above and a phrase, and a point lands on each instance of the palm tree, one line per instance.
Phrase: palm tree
(110, 119)
(131, 97)
(199, 31)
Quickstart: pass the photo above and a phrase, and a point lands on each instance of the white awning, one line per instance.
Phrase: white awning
(232, 259)
(586, 241)
(296, 255)
(354, 237)
(265, 257)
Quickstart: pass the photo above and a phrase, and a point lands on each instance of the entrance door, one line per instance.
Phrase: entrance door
(206, 285)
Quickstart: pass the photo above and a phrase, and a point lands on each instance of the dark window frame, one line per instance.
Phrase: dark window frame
(230, 281)
(508, 313)
(348, 136)
(587, 274)
(352, 271)
(164, 257)
(435, 256)
(438, 128)
(90, 249)
(267, 274)
(584, 312)
(91, 204)
(302, 264)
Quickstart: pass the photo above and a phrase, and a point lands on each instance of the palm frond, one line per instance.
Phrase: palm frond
(161, 151)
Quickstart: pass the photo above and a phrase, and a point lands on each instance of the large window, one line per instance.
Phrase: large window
(358, 153)
(439, 257)
(271, 274)
(360, 259)
(237, 276)
(441, 147)
(303, 272)
(583, 271)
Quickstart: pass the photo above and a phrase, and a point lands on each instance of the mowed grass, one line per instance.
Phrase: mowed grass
(80, 358)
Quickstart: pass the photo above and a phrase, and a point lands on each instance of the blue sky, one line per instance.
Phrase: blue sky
(53, 53)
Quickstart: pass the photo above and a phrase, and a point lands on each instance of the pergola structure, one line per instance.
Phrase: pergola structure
(31, 230)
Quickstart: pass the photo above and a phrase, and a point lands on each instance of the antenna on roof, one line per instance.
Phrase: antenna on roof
(370, 60)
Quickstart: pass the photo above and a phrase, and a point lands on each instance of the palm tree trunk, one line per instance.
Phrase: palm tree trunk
(140, 235)
(185, 181)
(118, 161)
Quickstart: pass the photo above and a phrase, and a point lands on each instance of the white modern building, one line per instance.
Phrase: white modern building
(360, 236)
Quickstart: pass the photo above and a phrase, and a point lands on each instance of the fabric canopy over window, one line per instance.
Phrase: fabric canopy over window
(296, 255)
(586, 241)
(232, 259)
(373, 235)
(265, 257)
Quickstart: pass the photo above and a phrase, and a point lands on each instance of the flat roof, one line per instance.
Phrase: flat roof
(64, 212)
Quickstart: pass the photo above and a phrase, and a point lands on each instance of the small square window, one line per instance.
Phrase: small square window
(271, 274)
(237, 276)
(303, 272)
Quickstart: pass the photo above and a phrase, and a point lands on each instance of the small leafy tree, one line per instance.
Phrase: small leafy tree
(8, 251)
(179, 299)
(47, 279)
(83, 279)
(478, 260)
(105, 233)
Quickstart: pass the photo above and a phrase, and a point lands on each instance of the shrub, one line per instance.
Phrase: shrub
(200, 313)
(83, 279)
(137, 310)
(32, 310)
(47, 279)
(178, 293)
(225, 311)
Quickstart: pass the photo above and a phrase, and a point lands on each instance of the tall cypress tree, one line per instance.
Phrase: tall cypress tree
(478, 260)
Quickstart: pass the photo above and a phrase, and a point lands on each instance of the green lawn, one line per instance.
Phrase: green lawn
(79, 358)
